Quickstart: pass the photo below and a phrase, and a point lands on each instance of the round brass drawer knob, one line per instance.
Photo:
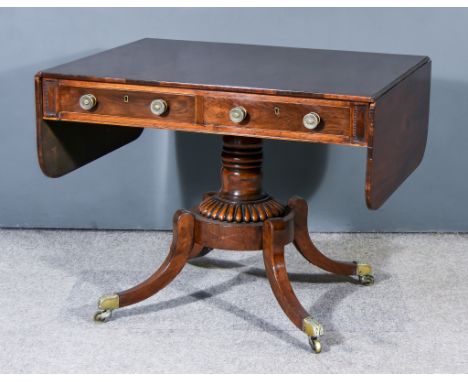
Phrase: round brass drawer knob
(88, 101)
(237, 114)
(311, 120)
(158, 106)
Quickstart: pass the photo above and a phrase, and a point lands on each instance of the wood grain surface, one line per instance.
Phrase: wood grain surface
(398, 134)
(248, 68)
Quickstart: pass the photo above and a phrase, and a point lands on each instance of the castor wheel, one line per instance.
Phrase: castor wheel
(106, 305)
(364, 273)
(102, 315)
(315, 345)
(366, 280)
(313, 329)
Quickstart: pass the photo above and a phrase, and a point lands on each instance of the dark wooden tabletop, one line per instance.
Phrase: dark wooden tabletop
(253, 68)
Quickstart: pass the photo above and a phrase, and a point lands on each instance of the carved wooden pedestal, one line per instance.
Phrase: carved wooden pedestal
(242, 217)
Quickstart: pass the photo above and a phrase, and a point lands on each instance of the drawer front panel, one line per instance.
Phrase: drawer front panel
(268, 116)
(130, 104)
(283, 116)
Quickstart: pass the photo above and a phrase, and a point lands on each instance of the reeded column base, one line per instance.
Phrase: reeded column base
(217, 208)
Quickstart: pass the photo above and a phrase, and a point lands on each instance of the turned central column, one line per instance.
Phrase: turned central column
(241, 198)
(241, 171)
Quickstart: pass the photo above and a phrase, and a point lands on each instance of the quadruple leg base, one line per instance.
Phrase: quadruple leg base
(195, 235)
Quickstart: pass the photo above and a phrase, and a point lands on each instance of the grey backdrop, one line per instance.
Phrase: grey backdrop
(140, 185)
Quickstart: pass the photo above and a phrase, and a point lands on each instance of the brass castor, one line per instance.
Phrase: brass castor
(364, 274)
(106, 305)
(313, 329)
(102, 315)
(366, 280)
(315, 344)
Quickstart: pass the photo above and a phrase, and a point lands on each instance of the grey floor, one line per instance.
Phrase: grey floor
(219, 315)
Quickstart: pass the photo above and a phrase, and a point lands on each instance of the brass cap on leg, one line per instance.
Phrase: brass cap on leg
(109, 302)
(363, 269)
(312, 327)
(364, 273)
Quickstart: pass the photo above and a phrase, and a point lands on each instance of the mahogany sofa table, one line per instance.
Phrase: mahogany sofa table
(92, 106)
